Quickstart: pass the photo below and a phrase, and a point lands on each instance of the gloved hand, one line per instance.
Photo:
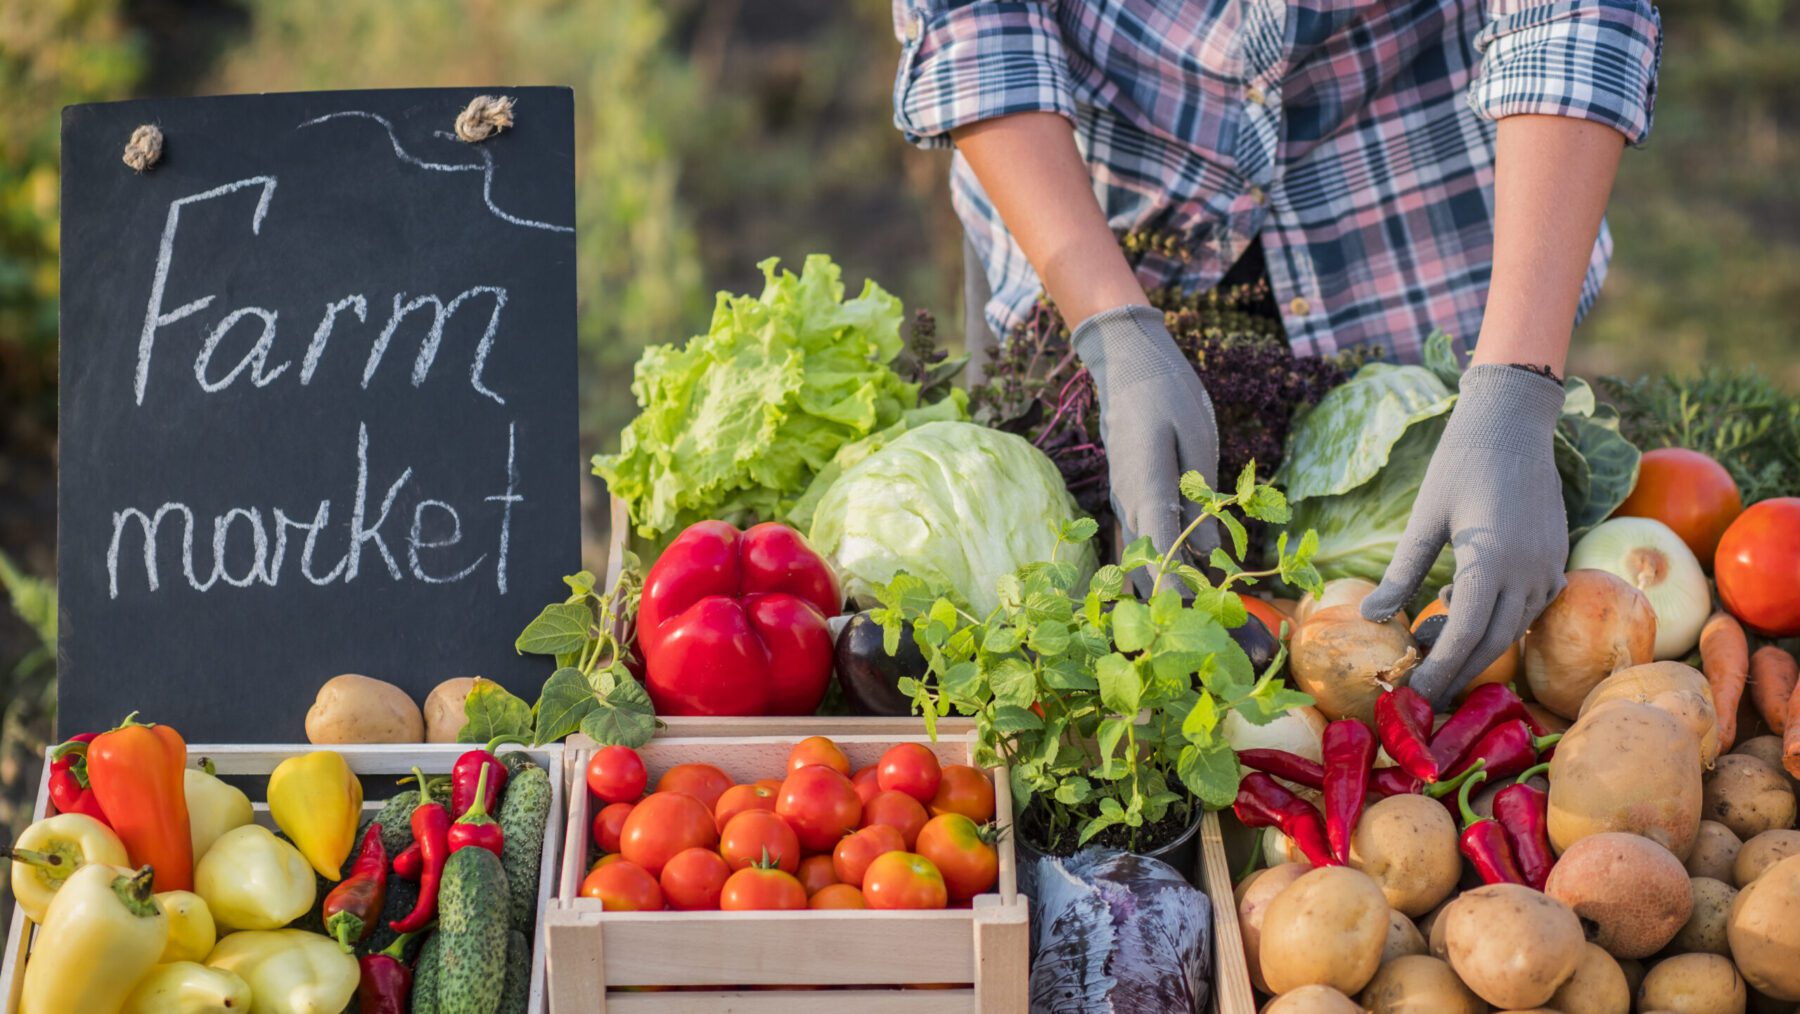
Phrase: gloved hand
(1492, 492)
(1156, 422)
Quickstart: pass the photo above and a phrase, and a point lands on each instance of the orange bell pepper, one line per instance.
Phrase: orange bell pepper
(136, 772)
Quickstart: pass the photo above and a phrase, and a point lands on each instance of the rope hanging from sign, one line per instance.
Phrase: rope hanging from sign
(485, 116)
(144, 148)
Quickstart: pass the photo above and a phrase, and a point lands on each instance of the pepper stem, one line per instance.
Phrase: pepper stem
(397, 949)
(424, 787)
(1532, 772)
(1470, 819)
(1542, 743)
(1438, 790)
(207, 765)
(130, 721)
(136, 892)
(48, 859)
(478, 809)
(73, 746)
(499, 741)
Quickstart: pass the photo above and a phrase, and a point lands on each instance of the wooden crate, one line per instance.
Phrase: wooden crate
(785, 962)
(387, 759)
(1232, 993)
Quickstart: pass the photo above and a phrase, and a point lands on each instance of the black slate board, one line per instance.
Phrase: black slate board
(315, 198)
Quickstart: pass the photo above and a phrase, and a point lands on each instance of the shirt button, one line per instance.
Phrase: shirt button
(1254, 95)
(912, 28)
(1257, 196)
(1300, 307)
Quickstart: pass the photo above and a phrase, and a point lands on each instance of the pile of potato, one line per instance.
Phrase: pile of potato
(1676, 888)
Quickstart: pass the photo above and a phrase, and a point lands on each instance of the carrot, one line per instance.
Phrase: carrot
(1778, 667)
(1772, 680)
(1725, 658)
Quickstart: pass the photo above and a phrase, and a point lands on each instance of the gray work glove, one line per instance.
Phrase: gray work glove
(1491, 492)
(1156, 422)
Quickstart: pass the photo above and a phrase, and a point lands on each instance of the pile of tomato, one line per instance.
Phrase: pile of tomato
(902, 833)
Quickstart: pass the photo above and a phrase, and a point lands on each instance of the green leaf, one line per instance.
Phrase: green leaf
(1194, 486)
(1049, 638)
(1222, 605)
(1108, 582)
(1073, 791)
(581, 583)
(1440, 358)
(1067, 674)
(1013, 682)
(1139, 554)
(1211, 773)
(1246, 482)
(566, 700)
(1220, 561)
(1107, 739)
(1195, 637)
(944, 611)
(624, 717)
(1268, 504)
(560, 629)
(1010, 718)
(1612, 465)
(1099, 824)
(1240, 539)
(1202, 719)
(1270, 701)
(1079, 529)
(494, 712)
(999, 639)
(1165, 606)
(1132, 629)
(1120, 686)
(960, 681)
(1344, 440)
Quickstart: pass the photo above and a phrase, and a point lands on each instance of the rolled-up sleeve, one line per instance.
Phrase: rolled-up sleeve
(965, 62)
(1589, 59)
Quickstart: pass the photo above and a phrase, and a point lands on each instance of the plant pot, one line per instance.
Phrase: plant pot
(1183, 853)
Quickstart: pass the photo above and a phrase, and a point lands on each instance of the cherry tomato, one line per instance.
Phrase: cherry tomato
(821, 805)
(694, 879)
(1758, 567)
(816, 873)
(965, 790)
(904, 880)
(866, 785)
(623, 887)
(616, 774)
(817, 750)
(739, 798)
(851, 859)
(610, 857)
(755, 888)
(1268, 614)
(609, 824)
(963, 853)
(1689, 492)
(837, 896)
(772, 784)
(909, 768)
(662, 825)
(755, 836)
(702, 781)
(898, 810)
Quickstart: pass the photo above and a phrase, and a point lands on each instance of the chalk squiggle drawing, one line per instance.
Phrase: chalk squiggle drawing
(486, 168)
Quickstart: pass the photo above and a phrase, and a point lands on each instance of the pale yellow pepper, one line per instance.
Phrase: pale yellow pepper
(74, 840)
(192, 932)
(213, 807)
(252, 880)
(290, 971)
(316, 800)
(102, 934)
(188, 987)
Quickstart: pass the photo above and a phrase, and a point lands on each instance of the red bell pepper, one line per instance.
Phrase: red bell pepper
(136, 770)
(69, 788)
(1262, 802)
(1349, 750)
(385, 986)
(475, 828)
(1521, 810)
(353, 907)
(733, 623)
(1484, 841)
(468, 770)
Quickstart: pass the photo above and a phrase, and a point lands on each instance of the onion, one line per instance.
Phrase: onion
(1345, 661)
(1298, 731)
(1653, 559)
(1343, 591)
(1597, 626)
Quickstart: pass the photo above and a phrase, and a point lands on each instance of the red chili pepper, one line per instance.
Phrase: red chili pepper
(1403, 721)
(1282, 764)
(467, 771)
(69, 788)
(1262, 802)
(475, 828)
(1507, 749)
(1521, 810)
(353, 907)
(408, 863)
(431, 830)
(1487, 706)
(1349, 750)
(1484, 842)
(1394, 782)
(386, 983)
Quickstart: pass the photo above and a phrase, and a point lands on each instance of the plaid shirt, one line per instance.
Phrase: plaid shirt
(1355, 137)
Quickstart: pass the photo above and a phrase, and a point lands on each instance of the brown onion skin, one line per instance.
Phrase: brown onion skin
(1596, 627)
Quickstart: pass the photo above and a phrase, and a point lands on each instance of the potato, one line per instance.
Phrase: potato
(1704, 932)
(1693, 984)
(1632, 894)
(1312, 1000)
(1409, 845)
(1715, 850)
(1327, 927)
(1403, 938)
(1436, 944)
(1419, 985)
(1762, 852)
(1747, 795)
(1678, 689)
(1764, 931)
(1626, 767)
(1767, 749)
(444, 716)
(357, 709)
(1513, 946)
(1253, 899)
(1597, 987)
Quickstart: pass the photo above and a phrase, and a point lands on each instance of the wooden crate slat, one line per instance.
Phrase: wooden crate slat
(855, 1001)
(1231, 991)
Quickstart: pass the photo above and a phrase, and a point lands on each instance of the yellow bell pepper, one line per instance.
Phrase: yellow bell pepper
(191, 929)
(187, 987)
(317, 801)
(290, 971)
(213, 807)
(102, 934)
(51, 850)
(252, 880)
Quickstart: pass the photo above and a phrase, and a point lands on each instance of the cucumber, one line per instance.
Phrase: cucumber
(472, 920)
(425, 977)
(515, 761)
(517, 995)
(401, 896)
(524, 815)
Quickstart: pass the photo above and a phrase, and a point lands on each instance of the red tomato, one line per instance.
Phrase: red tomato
(616, 774)
(755, 836)
(851, 859)
(756, 889)
(610, 857)
(739, 798)
(702, 781)
(1758, 567)
(909, 768)
(662, 825)
(837, 896)
(694, 879)
(1268, 614)
(772, 784)
(821, 805)
(963, 853)
(609, 824)
(866, 786)
(898, 810)
(965, 790)
(1689, 492)
(904, 880)
(816, 873)
(817, 750)
(623, 887)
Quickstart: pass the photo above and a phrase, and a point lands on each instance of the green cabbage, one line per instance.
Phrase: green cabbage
(954, 504)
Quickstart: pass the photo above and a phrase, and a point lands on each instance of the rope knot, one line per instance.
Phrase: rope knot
(144, 148)
(485, 116)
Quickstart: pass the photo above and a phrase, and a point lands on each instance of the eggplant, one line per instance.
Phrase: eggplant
(1253, 636)
(1428, 631)
(870, 676)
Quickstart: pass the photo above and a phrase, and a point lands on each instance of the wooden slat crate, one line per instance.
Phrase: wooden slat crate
(387, 761)
(1232, 993)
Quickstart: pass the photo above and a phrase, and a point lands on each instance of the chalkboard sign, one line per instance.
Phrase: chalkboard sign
(318, 408)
